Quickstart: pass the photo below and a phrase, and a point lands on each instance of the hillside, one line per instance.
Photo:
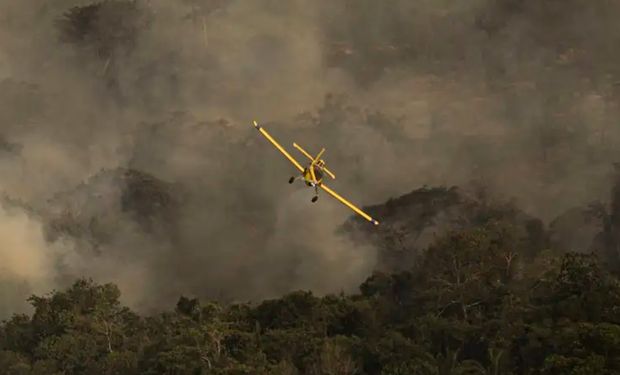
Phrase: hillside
(470, 304)
(412, 222)
(471, 288)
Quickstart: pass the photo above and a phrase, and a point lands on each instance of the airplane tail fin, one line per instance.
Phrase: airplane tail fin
(316, 159)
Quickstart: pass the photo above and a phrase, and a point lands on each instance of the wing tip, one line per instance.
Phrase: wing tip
(256, 124)
(375, 222)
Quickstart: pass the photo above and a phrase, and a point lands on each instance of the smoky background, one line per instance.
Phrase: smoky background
(517, 96)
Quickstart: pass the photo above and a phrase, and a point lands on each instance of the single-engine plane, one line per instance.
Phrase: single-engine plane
(313, 173)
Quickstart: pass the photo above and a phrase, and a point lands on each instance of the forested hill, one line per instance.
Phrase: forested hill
(491, 293)
(411, 223)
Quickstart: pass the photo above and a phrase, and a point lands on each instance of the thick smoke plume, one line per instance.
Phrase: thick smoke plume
(519, 96)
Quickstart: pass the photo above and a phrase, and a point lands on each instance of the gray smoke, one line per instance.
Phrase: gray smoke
(518, 95)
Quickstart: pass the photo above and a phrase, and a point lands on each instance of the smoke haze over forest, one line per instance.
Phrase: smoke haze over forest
(519, 97)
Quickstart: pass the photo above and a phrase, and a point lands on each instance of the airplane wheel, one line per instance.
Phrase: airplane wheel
(291, 180)
(314, 199)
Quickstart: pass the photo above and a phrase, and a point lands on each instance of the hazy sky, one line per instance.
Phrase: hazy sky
(519, 95)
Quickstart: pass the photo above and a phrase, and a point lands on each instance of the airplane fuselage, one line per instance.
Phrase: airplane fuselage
(318, 173)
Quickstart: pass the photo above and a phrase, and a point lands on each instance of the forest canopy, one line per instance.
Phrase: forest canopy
(469, 308)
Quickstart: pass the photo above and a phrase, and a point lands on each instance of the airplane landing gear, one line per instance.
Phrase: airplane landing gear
(291, 180)
(315, 198)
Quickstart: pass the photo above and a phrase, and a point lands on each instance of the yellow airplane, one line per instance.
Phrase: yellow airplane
(312, 174)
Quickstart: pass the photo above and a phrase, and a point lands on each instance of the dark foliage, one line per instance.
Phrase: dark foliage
(471, 306)
(105, 28)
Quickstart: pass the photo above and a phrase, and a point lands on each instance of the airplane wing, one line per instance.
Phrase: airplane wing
(348, 204)
(306, 154)
(280, 148)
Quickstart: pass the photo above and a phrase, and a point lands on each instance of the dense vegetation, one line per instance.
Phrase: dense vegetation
(492, 293)
(471, 305)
